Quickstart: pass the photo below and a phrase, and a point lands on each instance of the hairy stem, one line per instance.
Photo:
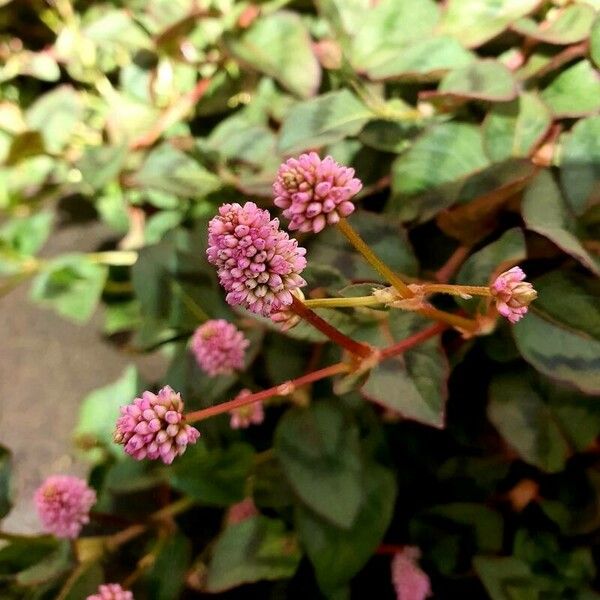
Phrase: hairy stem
(456, 290)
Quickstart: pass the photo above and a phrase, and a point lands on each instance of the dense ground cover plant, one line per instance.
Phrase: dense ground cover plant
(323, 213)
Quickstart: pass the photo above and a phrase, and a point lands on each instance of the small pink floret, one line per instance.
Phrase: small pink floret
(219, 347)
(154, 427)
(257, 263)
(63, 504)
(315, 192)
(111, 591)
(512, 294)
(410, 581)
(251, 414)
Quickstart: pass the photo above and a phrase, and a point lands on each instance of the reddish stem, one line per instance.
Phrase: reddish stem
(335, 335)
(389, 549)
(283, 389)
(413, 340)
(288, 387)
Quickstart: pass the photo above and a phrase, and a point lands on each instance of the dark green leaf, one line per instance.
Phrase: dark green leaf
(320, 453)
(255, 549)
(545, 212)
(213, 477)
(5, 485)
(166, 579)
(339, 554)
(83, 582)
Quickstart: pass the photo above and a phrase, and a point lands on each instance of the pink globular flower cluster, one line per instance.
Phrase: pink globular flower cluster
(244, 416)
(314, 192)
(111, 591)
(410, 581)
(512, 294)
(257, 263)
(63, 504)
(154, 427)
(219, 347)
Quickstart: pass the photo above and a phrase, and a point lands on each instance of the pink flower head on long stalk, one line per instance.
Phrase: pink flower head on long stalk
(512, 294)
(410, 581)
(111, 591)
(257, 263)
(154, 427)
(314, 192)
(219, 347)
(63, 504)
(244, 416)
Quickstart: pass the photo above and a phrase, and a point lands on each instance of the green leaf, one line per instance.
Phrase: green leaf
(474, 22)
(166, 579)
(280, 46)
(428, 59)
(567, 26)
(384, 235)
(28, 234)
(320, 453)
(506, 578)
(485, 525)
(213, 477)
(56, 114)
(71, 285)
(169, 170)
(516, 128)
(413, 384)
(442, 157)
(526, 422)
(580, 165)
(99, 165)
(99, 412)
(255, 549)
(595, 42)
(575, 92)
(339, 554)
(557, 341)
(54, 564)
(482, 80)
(128, 475)
(83, 582)
(5, 484)
(323, 120)
(388, 27)
(545, 212)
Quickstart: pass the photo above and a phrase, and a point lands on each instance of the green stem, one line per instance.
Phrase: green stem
(456, 290)
(342, 302)
(116, 258)
(354, 238)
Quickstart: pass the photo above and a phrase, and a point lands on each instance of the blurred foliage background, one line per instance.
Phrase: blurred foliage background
(475, 127)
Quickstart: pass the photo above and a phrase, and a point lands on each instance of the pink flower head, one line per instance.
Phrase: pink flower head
(63, 504)
(410, 582)
(111, 591)
(244, 416)
(154, 427)
(287, 318)
(241, 511)
(512, 294)
(257, 263)
(314, 192)
(219, 347)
